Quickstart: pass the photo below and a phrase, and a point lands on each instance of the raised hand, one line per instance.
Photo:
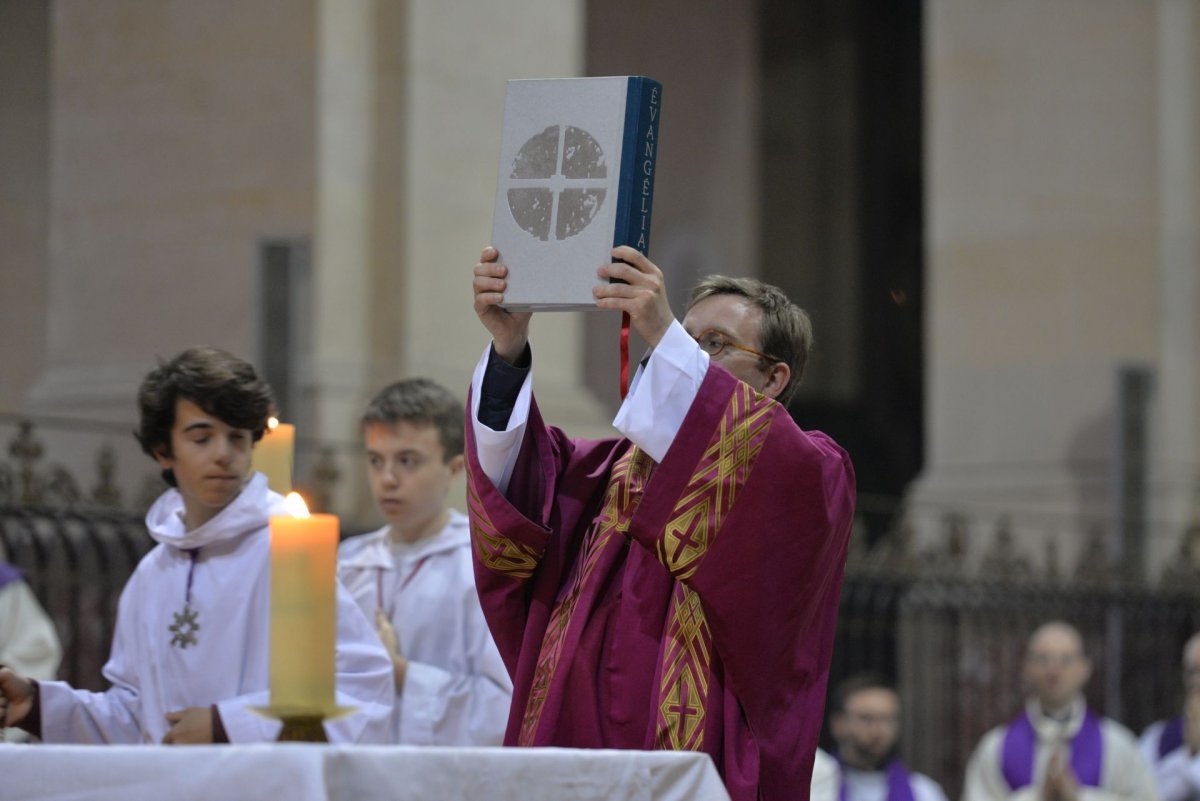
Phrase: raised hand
(509, 330)
(643, 295)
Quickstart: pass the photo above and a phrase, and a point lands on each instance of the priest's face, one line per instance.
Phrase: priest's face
(740, 323)
(410, 477)
(1056, 667)
(210, 459)
(867, 729)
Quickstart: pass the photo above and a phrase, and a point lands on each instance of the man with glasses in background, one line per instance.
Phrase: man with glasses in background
(675, 588)
(1058, 749)
(864, 720)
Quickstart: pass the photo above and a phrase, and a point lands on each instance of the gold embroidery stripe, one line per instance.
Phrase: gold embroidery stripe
(621, 499)
(497, 552)
(684, 688)
(713, 488)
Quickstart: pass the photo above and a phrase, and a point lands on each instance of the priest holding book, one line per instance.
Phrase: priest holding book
(677, 587)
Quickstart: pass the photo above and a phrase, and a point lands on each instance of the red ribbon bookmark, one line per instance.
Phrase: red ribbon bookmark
(624, 354)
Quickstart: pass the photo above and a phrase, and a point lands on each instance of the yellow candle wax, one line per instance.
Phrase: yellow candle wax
(273, 455)
(303, 609)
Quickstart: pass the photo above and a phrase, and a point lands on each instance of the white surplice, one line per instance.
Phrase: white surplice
(151, 670)
(456, 688)
(1124, 774)
(1177, 773)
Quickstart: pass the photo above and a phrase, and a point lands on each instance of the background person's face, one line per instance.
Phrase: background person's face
(868, 728)
(1056, 667)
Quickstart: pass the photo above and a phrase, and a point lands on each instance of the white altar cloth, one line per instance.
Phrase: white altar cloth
(311, 772)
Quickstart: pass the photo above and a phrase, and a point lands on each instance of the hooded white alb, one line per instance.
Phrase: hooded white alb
(456, 689)
(152, 670)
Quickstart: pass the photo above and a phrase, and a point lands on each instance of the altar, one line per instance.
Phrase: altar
(312, 772)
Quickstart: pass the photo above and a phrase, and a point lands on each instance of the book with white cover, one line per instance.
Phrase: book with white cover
(576, 178)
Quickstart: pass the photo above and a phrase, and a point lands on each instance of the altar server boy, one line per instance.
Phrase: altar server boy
(415, 575)
(190, 650)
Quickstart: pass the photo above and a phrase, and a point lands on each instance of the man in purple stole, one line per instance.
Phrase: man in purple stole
(1058, 749)
(865, 722)
(676, 588)
(28, 640)
(1172, 746)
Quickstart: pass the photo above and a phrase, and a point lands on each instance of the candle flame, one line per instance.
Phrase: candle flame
(272, 423)
(295, 505)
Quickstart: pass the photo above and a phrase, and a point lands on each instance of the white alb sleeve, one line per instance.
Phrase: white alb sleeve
(498, 450)
(662, 392)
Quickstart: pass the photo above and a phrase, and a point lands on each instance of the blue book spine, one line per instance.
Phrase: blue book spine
(639, 155)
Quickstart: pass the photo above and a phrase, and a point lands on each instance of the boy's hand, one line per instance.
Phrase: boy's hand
(509, 330)
(16, 697)
(391, 641)
(191, 726)
(643, 295)
(387, 633)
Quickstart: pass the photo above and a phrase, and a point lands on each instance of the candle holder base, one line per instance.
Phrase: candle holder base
(303, 729)
(302, 725)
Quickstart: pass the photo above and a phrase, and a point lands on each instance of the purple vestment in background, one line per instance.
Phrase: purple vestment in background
(9, 574)
(685, 605)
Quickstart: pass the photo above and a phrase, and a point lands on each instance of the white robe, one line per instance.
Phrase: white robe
(824, 784)
(1177, 773)
(872, 785)
(229, 664)
(1124, 773)
(28, 641)
(456, 688)
(864, 785)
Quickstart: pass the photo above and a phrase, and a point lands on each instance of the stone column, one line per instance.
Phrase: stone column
(410, 103)
(458, 60)
(1175, 474)
(24, 195)
(344, 256)
(177, 139)
(1044, 244)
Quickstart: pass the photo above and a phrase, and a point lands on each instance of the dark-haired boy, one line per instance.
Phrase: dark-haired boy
(190, 649)
(415, 575)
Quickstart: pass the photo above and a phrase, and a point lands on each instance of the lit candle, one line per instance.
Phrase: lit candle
(273, 455)
(303, 609)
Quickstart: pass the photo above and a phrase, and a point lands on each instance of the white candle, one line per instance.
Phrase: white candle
(303, 609)
(273, 455)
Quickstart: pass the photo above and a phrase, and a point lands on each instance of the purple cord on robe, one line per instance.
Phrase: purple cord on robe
(899, 785)
(1171, 737)
(9, 574)
(1020, 744)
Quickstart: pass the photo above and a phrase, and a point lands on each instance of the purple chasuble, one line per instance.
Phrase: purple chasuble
(898, 782)
(1020, 746)
(684, 605)
(9, 574)
(1171, 737)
